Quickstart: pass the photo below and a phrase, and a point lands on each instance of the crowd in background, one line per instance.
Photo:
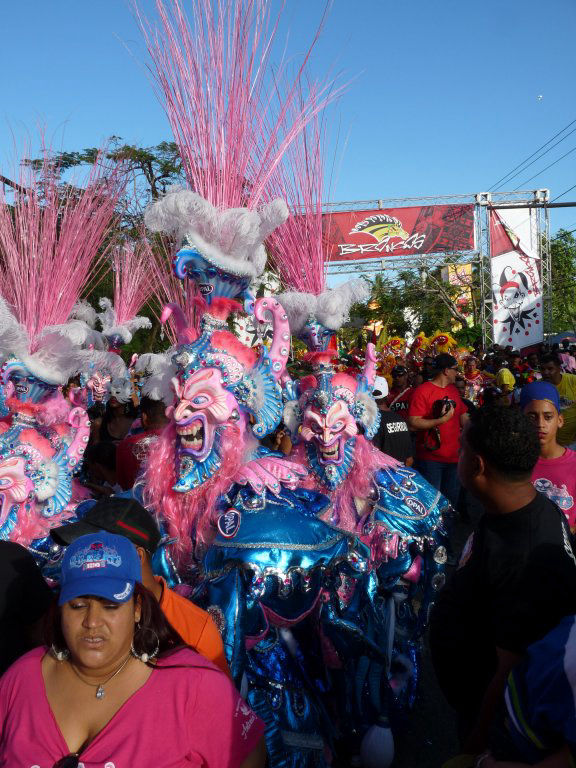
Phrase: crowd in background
(492, 432)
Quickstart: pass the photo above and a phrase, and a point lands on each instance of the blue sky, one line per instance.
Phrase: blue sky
(446, 98)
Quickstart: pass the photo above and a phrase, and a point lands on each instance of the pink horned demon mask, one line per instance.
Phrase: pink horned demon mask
(222, 384)
(203, 404)
(329, 427)
(332, 410)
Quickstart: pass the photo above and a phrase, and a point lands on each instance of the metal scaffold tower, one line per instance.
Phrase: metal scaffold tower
(479, 258)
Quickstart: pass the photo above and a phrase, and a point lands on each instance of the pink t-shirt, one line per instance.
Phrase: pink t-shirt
(182, 718)
(557, 479)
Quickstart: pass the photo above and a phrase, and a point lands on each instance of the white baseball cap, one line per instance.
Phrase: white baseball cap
(380, 388)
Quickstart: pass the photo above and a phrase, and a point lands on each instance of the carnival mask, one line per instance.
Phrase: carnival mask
(329, 434)
(203, 407)
(120, 389)
(210, 279)
(329, 431)
(315, 335)
(29, 389)
(97, 384)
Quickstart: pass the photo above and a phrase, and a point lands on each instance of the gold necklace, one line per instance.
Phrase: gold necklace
(100, 692)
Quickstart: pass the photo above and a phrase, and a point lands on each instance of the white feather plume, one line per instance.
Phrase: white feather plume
(331, 308)
(157, 370)
(55, 359)
(56, 355)
(111, 326)
(13, 336)
(106, 363)
(232, 239)
(85, 312)
(298, 306)
(79, 333)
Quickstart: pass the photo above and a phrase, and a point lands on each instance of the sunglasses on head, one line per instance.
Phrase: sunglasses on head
(69, 761)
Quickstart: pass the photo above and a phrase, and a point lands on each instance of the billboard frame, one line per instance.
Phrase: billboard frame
(479, 257)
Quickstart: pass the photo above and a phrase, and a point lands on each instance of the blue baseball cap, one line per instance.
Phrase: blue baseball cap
(539, 390)
(100, 564)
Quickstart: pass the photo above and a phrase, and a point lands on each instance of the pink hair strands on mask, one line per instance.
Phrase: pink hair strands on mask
(190, 516)
(358, 484)
(213, 76)
(52, 240)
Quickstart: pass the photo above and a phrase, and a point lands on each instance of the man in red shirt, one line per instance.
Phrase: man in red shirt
(133, 451)
(398, 399)
(437, 414)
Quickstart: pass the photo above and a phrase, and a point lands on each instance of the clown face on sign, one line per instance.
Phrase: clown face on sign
(517, 300)
(513, 292)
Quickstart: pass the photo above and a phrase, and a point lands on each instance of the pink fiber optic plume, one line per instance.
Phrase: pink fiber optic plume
(169, 289)
(133, 283)
(52, 240)
(214, 78)
(297, 247)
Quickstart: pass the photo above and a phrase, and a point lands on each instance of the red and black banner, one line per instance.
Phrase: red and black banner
(352, 235)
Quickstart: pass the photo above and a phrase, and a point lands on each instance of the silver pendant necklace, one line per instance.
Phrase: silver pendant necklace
(100, 692)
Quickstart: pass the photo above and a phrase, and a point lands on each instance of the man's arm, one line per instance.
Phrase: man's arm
(477, 739)
(418, 422)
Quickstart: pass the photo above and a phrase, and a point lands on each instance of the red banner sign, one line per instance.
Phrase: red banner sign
(376, 234)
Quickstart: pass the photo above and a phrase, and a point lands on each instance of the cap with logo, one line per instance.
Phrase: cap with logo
(101, 565)
(123, 516)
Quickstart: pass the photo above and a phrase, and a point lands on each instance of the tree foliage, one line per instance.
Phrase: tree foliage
(563, 257)
(421, 299)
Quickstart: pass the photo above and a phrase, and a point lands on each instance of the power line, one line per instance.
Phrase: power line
(548, 166)
(563, 193)
(538, 158)
(498, 183)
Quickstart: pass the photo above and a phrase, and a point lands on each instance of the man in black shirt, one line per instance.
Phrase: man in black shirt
(393, 437)
(24, 599)
(516, 577)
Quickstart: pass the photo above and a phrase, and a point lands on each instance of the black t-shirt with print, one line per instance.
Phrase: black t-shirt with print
(393, 436)
(516, 579)
(24, 598)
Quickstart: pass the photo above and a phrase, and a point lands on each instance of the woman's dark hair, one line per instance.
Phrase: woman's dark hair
(96, 411)
(153, 628)
(128, 409)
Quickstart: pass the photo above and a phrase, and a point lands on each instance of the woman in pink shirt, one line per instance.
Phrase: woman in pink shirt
(117, 688)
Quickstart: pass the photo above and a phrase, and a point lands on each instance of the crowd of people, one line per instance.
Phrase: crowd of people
(120, 640)
(227, 552)
(500, 428)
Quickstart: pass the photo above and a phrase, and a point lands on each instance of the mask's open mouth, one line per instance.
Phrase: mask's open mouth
(192, 436)
(330, 454)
